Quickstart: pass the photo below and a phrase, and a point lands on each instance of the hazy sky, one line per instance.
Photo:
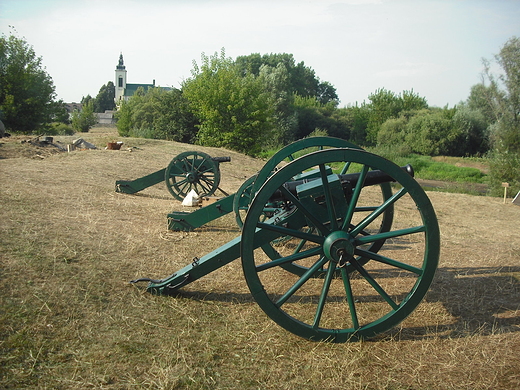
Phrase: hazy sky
(434, 47)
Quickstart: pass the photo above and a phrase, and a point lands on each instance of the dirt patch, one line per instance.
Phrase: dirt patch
(29, 147)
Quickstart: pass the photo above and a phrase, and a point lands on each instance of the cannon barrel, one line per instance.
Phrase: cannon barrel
(348, 181)
(221, 159)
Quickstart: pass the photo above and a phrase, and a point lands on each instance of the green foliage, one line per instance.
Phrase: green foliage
(27, 91)
(61, 114)
(264, 102)
(427, 168)
(175, 122)
(302, 79)
(472, 125)
(249, 104)
(233, 109)
(433, 132)
(501, 97)
(386, 105)
(157, 114)
(481, 99)
(87, 99)
(311, 114)
(504, 167)
(355, 119)
(83, 120)
(393, 132)
(105, 98)
(59, 128)
(281, 100)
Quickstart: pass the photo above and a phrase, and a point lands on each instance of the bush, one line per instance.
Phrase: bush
(58, 128)
(504, 167)
(83, 120)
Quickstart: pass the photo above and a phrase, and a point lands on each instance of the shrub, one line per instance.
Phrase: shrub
(58, 128)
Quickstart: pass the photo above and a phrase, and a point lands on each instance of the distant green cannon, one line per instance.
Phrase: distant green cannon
(337, 245)
(239, 201)
(188, 171)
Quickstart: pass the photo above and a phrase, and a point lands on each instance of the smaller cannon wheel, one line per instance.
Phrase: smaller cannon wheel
(192, 171)
(242, 200)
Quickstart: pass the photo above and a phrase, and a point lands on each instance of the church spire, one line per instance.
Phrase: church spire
(120, 80)
(121, 64)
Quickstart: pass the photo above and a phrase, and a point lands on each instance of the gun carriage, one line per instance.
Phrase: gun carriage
(337, 245)
(188, 171)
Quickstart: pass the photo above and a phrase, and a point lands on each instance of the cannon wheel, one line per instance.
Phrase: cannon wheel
(365, 299)
(289, 153)
(192, 171)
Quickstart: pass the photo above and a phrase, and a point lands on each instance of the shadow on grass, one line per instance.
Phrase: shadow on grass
(481, 301)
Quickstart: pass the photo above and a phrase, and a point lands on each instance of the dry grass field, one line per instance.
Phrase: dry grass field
(70, 319)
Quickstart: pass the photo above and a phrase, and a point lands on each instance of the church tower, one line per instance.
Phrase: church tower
(120, 82)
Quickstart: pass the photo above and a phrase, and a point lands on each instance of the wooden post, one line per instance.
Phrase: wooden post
(505, 185)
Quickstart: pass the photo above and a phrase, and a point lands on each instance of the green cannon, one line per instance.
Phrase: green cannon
(188, 171)
(238, 202)
(337, 245)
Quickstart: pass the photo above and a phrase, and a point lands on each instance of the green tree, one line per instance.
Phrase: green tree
(386, 104)
(83, 120)
(355, 117)
(313, 115)
(135, 116)
(482, 99)
(505, 90)
(302, 80)
(281, 101)
(27, 91)
(87, 99)
(393, 132)
(105, 98)
(159, 114)
(61, 114)
(175, 121)
(233, 109)
(124, 117)
(433, 133)
(504, 93)
(472, 125)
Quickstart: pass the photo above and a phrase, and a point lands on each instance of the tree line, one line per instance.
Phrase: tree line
(28, 102)
(258, 102)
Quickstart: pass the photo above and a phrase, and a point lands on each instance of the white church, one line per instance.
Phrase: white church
(125, 90)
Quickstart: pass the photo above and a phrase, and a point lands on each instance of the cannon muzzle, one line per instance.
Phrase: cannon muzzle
(221, 159)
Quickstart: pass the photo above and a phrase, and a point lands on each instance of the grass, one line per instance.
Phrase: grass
(69, 319)
(457, 170)
(428, 168)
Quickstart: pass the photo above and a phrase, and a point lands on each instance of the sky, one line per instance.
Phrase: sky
(433, 47)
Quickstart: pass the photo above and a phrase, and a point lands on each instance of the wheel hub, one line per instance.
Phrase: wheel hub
(191, 176)
(338, 247)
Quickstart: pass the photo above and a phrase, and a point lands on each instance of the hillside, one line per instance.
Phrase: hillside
(70, 320)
